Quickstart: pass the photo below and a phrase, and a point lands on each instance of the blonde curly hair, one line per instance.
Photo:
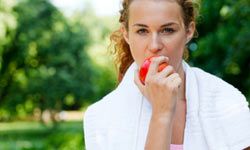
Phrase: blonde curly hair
(119, 47)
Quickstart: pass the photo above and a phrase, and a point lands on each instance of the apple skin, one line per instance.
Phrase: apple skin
(144, 68)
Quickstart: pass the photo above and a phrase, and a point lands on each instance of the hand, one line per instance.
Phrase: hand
(160, 88)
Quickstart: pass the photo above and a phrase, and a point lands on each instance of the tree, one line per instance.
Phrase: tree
(45, 65)
(223, 44)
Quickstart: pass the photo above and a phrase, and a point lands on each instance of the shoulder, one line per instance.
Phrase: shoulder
(95, 119)
(205, 77)
(224, 109)
(99, 109)
(217, 93)
(95, 122)
(111, 107)
(214, 84)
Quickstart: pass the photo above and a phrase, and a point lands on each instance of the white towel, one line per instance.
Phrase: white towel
(218, 117)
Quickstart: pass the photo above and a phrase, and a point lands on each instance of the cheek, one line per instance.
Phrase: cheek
(175, 49)
(137, 50)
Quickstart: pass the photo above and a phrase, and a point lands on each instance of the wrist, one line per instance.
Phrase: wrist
(164, 118)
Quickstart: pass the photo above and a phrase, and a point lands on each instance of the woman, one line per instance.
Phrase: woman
(179, 107)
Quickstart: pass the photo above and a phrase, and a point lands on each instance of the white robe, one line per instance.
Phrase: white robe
(218, 117)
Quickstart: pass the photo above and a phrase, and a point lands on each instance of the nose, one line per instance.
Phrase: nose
(155, 43)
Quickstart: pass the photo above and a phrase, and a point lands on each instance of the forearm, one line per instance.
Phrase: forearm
(159, 133)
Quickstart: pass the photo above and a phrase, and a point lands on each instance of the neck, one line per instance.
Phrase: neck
(182, 92)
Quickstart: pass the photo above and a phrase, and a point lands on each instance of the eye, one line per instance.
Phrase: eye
(168, 30)
(142, 31)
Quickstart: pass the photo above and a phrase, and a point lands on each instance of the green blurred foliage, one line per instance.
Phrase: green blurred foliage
(45, 65)
(7, 23)
(100, 28)
(223, 43)
(33, 135)
(48, 61)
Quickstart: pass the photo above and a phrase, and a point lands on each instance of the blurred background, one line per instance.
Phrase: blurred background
(54, 62)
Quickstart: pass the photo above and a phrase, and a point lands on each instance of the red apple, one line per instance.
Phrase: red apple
(144, 68)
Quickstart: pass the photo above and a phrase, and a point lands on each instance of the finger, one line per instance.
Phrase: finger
(167, 71)
(177, 82)
(155, 62)
(138, 81)
(173, 76)
(174, 80)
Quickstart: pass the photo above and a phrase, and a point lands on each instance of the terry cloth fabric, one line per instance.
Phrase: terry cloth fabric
(218, 117)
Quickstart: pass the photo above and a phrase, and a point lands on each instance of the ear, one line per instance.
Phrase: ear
(190, 31)
(124, 33)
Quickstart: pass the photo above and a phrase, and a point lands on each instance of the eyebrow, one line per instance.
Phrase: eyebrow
(164, 25)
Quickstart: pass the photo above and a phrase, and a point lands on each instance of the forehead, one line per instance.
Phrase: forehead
(146, 11)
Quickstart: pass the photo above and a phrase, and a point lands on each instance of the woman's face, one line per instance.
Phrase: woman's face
(157, 28)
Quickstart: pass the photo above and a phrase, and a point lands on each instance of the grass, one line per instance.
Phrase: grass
(36, 136)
